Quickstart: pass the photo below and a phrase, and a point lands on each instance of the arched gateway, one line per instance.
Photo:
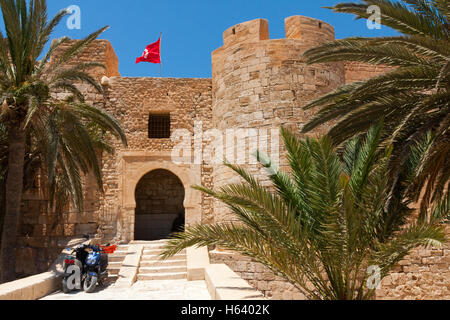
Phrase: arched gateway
(137, 171)
(159, 205)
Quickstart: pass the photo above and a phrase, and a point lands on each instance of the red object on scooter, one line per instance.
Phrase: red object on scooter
(109, 250)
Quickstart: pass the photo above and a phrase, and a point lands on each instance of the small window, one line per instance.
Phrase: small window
(159, 126)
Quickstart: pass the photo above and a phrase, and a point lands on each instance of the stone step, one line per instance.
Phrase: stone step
(116, 258)
(162, 276)
(154, 246)
(149, 243)
(113, 272)
(154, 243)
(119, 252)
(158, 251)
(158, 257)
(114, 265)
(164, 263)
(112, 278)
(153, 270)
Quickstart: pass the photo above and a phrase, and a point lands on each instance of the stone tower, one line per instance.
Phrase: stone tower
(262, 84)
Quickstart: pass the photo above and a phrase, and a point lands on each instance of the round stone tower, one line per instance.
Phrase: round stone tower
(262, 84)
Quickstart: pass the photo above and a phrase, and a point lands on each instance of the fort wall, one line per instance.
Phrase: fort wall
(131, 101)
(258, 83)
(42, 232)
(422, 275)
(99, 51)
(355, 71)
(262, 84)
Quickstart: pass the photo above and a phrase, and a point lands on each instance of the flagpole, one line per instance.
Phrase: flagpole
(160, 55)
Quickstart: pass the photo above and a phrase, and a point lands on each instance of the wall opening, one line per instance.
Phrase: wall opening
(159, 126)
(159, 206)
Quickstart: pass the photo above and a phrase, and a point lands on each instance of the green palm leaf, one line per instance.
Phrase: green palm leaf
(412, 99)
(61, 138)
(322, 224)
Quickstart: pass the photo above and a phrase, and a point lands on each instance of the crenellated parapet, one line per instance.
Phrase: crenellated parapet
(311, 32)
(250, 31)
(99, 51)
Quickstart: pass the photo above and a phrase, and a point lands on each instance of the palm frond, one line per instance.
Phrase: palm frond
(412, 99)
(322, 224)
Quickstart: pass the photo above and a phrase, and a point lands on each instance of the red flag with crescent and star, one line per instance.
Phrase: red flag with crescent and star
(152, 53)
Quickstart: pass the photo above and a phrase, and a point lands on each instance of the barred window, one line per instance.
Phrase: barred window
(159, 126)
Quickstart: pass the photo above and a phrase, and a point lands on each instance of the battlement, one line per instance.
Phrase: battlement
(310, 31)
(250, 31)
(100, 51)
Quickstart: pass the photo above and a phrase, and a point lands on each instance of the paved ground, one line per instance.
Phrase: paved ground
(144, 290)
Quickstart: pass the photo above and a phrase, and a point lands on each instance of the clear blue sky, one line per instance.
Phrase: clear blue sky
(191, 29)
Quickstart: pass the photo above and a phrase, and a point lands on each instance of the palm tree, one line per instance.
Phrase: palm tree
(67, 133)
(324, 224)
(413, 99)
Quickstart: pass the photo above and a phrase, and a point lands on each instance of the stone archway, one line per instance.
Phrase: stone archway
(135, 165)
(159, 206)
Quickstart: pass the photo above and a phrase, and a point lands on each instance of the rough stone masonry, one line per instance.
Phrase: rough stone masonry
(258, 84)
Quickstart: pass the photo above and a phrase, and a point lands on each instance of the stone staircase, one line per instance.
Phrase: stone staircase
(152, 268)
(115, 261)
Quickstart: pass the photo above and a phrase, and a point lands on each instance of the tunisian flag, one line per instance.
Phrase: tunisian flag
(152, 53)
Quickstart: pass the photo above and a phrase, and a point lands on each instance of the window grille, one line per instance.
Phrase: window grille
(159, 126)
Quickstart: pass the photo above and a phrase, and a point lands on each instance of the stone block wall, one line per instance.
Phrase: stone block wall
(422, 275)
(42, 232)
(99, 51)
(263, 84)
(250, 31)
(256, 83)
(131, 101)
(311, 32)
(355, 71)
(258, 276)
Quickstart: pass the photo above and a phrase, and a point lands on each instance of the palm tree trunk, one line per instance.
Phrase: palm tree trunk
(14, 188)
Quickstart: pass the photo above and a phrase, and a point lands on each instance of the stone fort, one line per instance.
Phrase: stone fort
(257, 83)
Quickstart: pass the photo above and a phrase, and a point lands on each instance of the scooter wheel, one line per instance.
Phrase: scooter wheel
(65, 287)
(89, 284)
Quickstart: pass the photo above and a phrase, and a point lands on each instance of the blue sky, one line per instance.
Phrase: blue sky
(191, 29)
